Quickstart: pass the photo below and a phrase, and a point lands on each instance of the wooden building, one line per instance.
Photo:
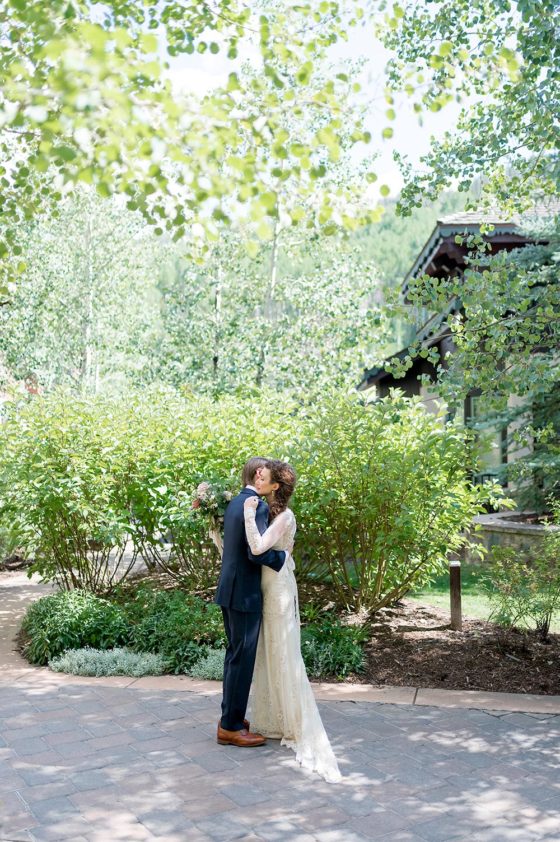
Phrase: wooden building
(442, 257)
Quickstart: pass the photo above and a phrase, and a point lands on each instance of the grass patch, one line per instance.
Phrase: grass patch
(474, 601)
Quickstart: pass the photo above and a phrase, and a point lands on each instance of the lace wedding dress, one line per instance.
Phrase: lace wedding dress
(282, 702)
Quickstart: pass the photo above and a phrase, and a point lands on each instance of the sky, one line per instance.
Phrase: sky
(203, 72)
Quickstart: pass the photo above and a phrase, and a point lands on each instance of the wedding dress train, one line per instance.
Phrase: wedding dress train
(282, 702)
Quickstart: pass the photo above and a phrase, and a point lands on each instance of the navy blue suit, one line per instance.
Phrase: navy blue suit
(239, 595)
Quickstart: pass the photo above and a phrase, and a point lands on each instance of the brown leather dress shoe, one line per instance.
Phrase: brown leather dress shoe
(243, 738)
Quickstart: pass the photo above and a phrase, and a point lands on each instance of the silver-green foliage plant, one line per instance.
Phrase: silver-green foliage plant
(210, 667)
(123, 661)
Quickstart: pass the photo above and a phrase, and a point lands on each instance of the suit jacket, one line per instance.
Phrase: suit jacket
(239, 586)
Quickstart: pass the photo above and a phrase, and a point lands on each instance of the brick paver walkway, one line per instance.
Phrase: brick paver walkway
(110, 760)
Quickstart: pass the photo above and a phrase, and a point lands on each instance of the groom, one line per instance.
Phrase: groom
(239, 595)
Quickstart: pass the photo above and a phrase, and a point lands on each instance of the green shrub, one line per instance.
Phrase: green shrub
(71, 620)
(382, 496)
(526, 588)
(210, 667)
(179, 626)
(82, 478)
(10, 541)
(121, 661)
(65, 471)
(330, 648)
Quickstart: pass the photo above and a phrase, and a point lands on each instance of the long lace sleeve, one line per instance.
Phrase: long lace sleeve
(261, 543)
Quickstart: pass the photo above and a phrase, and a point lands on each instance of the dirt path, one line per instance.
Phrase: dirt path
(16, 593)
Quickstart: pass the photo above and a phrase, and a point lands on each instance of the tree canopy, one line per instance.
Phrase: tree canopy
(85, 98)
(501, 61)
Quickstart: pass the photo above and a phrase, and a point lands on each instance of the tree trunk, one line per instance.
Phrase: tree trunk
(88, 376)
(268, 304)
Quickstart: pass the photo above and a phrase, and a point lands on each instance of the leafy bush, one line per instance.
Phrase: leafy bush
(179, 626)
(383, 496)
(330, 648)
(71, 620)
(526, 588)
(10, 541)
(83, 478)
(210, 667)
(89, 661)
(64, 476)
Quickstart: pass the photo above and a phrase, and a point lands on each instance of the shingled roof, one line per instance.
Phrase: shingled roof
(450, 226)
(496, 216)
(470, 222)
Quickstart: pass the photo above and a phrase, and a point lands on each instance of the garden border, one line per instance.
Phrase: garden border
(14, 668)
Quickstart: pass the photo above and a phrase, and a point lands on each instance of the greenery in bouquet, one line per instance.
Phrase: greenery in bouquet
(211, 499)
(210, 502)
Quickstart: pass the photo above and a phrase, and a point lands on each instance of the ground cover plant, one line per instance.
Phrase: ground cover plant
(119, 661)
(147, 630)
(71, 620)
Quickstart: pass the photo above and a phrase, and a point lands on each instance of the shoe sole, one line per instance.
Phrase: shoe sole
(246, 745)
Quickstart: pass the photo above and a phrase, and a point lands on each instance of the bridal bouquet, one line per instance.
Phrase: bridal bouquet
(210, 501)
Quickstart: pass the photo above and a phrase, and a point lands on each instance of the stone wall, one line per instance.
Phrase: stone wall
(502, 530)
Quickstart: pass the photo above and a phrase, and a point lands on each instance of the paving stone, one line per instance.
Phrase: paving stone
(245, 794)
(323, 817)
(89, 779)
(17, 836)
(223, 826)
(505, 834)
(108, 763)
(340, 834)
(39, 775)
(59, 738)
(162, 823)
(379, 822)
(215, 761)
(198, 809)
(282, 831)
(444, 828)
(25, 746)
(29, 794)
(50, 809)
(10, 825)
(70, 827)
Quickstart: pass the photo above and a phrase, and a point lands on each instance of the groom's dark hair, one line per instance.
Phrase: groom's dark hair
(250, 469)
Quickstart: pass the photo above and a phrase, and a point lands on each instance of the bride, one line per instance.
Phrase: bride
(282, 701)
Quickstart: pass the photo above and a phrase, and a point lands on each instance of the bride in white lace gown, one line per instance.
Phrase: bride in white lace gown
(282, 702)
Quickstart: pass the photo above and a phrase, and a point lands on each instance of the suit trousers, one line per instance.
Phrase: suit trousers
(242, 632)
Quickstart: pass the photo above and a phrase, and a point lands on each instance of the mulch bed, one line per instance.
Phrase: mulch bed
(412, 645)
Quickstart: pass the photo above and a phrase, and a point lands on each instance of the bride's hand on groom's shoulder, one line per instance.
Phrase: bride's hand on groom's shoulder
(251, 503)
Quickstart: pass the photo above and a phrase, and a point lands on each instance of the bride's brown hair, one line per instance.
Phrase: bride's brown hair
(285, 476)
